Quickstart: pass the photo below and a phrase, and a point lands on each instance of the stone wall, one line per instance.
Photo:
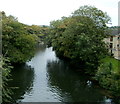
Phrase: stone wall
(113, 43)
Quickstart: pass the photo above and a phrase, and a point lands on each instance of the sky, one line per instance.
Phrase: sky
(41, 12)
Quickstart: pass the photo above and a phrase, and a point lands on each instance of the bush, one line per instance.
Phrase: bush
(5, 69)
(108, 79)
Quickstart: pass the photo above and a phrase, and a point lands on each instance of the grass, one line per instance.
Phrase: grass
(115, 63)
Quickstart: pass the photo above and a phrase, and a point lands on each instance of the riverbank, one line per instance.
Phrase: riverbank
(49, 79)
(108, 76)
(115, 63)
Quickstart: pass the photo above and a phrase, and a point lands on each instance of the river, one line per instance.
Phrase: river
(47, 79)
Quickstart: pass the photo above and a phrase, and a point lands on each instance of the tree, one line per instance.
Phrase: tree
(80, 36)
(100, 18)
(18, 44)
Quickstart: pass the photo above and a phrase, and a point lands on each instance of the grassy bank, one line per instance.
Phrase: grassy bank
(108, 76)
(115, 63)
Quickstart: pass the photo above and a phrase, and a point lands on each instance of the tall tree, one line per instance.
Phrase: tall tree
(18, 44)
(80, 36)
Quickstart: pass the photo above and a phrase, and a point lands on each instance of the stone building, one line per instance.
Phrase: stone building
(113, 42)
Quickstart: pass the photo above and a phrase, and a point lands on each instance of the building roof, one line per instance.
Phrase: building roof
(115, 30)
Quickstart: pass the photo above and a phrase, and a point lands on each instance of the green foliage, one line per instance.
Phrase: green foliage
(99, 17)
(108, 79)
(22, 50)
(5, 67)
(115, 63)
(80, 36)
(108, 76)
(40, 31)
(18, 44)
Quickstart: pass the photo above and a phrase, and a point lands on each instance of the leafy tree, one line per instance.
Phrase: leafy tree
(18, 44)
(23, 49)
(40, 31)
(80, 36)
(100, 18)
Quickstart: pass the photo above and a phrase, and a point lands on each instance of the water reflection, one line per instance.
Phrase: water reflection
(71, 86)
(52, 80)
(23, 76)
(40, 48)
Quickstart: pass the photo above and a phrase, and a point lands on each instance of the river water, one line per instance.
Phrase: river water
(47, 79)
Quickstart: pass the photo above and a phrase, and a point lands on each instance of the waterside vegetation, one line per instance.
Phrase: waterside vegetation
(77, 39)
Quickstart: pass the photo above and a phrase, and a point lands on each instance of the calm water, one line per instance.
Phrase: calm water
(47, 79)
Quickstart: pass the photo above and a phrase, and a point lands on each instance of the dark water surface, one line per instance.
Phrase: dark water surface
(47, 79)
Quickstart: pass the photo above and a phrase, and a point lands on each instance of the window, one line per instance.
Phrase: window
(111, 45)
(112, 53)
(111, 38)
(118, 45)
(118, 37)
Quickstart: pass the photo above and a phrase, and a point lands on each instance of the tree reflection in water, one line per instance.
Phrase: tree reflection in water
(22, 77)
(72, 86)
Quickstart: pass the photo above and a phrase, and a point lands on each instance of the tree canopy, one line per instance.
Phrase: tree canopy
(19, 40)
(80, 36)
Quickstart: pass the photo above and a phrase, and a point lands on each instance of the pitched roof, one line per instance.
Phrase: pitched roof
(115, 30)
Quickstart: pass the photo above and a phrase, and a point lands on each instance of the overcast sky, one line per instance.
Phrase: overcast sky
(41, 12)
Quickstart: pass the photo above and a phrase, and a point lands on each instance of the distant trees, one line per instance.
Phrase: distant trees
(80, 36)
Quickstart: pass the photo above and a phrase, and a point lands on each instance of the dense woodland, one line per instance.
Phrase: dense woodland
(77, 39)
